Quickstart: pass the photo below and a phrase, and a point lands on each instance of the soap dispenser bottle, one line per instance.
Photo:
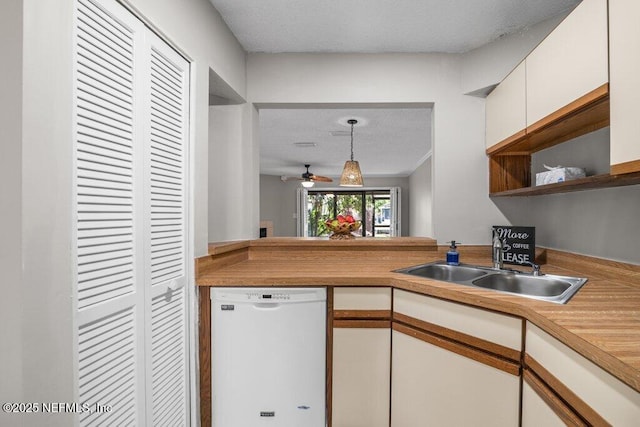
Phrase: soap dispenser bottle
(453, 257)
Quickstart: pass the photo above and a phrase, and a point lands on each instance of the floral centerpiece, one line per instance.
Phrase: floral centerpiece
(342, 227)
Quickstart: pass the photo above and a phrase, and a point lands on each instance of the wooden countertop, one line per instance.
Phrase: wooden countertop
(601, 322)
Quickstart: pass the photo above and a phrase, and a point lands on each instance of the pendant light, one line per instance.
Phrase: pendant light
(351, 175)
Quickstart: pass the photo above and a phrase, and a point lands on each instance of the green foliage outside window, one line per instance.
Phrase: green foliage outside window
(323, 206)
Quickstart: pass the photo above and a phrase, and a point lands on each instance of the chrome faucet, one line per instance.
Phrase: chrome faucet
(498, 250)
(535, 267)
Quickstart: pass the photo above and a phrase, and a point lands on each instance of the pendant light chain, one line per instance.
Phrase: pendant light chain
(352, 122)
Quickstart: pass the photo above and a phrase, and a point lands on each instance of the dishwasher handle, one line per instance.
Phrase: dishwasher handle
(266, 305)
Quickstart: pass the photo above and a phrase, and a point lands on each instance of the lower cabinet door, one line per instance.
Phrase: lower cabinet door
(361, 377)
(540, 407)
(432, 386)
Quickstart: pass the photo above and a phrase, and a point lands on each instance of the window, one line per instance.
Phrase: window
(378, 209)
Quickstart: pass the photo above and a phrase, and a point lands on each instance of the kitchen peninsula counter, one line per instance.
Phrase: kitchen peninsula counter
(601, 322)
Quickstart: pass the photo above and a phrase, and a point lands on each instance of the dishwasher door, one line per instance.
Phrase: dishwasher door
(268, 351)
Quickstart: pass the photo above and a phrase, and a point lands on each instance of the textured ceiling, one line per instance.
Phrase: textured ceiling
(387, 141)
(452, 26)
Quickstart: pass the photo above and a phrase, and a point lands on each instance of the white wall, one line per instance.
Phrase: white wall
(47, 323)
(462, 208)
(601, 222)
(11, 204)
(233, 178)
(278, 204)
(420, 205)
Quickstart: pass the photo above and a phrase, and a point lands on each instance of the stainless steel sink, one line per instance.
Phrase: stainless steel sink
(445, 272)
(539, 286)
(553, 288)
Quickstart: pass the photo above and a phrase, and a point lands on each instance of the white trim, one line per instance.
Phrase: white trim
(353, 189)
(157, 31)
(395, 229)
(192, 288)
(423, 159)
(301, 212)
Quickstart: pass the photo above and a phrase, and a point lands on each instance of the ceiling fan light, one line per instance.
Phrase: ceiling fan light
(351, 175)
(307, 184)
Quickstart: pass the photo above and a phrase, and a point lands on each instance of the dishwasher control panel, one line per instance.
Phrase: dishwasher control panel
(253, 296)
(269, 294)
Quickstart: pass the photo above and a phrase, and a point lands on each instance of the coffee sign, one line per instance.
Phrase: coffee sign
(519, 243)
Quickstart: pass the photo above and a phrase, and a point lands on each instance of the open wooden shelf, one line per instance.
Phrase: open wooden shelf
(510, 160)
(588, 183)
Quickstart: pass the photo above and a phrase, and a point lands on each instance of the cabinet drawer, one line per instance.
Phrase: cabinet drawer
(613, 400)
(370, 298)
(486, 325)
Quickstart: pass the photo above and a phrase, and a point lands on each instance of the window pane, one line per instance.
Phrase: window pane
(382, 219)
(320, 207)
(367, 224)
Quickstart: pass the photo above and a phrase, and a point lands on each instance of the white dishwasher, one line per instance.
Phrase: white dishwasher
(268, 352)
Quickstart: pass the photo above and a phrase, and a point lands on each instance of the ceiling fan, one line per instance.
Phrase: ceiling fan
(308, 178)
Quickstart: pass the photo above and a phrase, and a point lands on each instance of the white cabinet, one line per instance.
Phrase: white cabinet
(624, 57)
(505, 108)
(536, 412)
(433, 386)
(445, 369)
(566, 79)
(361, 362)
(571, 62)
(361, 357)
(589, 389)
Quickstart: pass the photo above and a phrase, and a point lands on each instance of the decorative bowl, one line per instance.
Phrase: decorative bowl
(342, 230)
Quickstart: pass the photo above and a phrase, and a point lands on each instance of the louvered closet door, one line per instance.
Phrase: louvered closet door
(166, 119)
(131, 222)
(110, 298)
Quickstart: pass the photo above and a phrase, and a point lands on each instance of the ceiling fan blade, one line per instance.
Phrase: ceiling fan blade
(321, 178)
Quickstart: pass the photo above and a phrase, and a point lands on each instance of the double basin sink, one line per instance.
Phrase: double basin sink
(547, 287)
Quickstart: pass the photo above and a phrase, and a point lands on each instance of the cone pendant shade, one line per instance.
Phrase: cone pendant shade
(351, 175)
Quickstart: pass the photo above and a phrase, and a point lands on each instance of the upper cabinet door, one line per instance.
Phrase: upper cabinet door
(506, 108)
(624, 51)
(571, 62)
